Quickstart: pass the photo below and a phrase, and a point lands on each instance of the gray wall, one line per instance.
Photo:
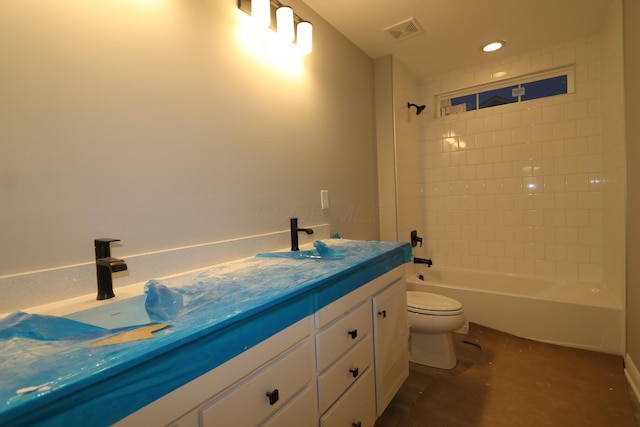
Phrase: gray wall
(168, 124)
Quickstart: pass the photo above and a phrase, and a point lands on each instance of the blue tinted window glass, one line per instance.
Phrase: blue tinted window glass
(469, 100)
(544, 88)
(492, 98)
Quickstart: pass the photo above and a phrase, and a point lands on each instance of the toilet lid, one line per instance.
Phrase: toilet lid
(424, 301)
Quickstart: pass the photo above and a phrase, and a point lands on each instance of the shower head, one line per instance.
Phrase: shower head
(419, 108)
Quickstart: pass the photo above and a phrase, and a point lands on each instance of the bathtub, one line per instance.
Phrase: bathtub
(569, 313)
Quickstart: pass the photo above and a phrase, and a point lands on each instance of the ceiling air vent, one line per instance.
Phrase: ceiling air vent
(404, 29)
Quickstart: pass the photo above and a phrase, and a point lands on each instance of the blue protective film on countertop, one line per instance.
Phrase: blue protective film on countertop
(46, 328)
(214, 315)
(322, 251)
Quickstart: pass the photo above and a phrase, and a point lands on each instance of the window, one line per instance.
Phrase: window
(541, 85)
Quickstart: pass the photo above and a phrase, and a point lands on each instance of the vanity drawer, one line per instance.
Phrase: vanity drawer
(345, 333)
(247, 403)
(356, 407)
(346, 371)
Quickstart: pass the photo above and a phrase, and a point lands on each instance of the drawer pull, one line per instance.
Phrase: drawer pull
(353, 334)
(356, 424)
(382, 313)
(274, 396)
(354, 372)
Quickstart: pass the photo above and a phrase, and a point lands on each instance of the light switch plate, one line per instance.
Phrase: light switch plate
(324, 199)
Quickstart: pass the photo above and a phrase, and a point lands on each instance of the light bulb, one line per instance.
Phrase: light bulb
(304, 39)
(492, 47)
(284, 23)
(261, 12)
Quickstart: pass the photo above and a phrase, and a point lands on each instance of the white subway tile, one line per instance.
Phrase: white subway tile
(484, 139)
(567, 235)
(512, 152)
(458, 158)
(545, 268)
(567, 270)
(505, 265)
(543, 132)
(525, 267)
(475, 157)
(552, 114)
(566, 129)
(534, 251)
(591, 273)
(504, 201)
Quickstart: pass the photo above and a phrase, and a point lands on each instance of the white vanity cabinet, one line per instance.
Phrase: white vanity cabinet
(338, 367)
(362, 352)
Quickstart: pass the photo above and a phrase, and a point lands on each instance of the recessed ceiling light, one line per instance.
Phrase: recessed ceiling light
(493, 46)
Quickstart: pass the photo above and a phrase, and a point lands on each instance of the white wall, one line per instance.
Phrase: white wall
(408, 152)
(613, 151)
(517, 188)
(399, 153)
(158, 123)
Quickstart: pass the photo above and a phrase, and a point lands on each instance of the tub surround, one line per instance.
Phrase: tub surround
(253, 299)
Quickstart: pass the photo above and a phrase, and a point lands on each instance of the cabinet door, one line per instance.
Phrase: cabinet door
(391, 342)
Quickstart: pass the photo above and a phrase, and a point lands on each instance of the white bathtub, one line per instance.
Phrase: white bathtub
(570, 313)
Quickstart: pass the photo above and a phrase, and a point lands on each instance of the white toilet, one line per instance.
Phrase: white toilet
(432, 318)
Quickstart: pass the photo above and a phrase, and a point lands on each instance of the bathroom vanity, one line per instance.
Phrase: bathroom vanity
(315, 342)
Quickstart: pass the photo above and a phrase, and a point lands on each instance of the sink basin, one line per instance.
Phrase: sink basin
(116, 314)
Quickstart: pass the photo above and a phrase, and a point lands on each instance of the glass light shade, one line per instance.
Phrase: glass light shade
(304, 39)
(261, 12)
(284, 23)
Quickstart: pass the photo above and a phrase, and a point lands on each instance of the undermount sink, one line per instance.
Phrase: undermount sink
(114, 314)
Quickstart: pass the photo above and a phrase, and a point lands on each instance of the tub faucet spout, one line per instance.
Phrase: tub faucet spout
(105, 266)
(427, 261)
(294, 233)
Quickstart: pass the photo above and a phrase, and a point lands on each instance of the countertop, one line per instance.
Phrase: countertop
(227, 309)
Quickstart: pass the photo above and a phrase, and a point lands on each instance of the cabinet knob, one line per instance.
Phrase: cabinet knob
(274, 396)
(382, 313)
(354, 372)
(356, 424)
(354, 334)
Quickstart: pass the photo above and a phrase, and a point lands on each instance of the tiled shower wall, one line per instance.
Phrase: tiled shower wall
(518, 188)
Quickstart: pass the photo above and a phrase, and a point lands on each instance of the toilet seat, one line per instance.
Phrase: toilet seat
(432, 304)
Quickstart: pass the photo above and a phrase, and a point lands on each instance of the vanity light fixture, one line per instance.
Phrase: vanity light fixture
(287, 24)
(493, 46)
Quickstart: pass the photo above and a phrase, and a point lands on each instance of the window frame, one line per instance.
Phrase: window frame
(568, 71)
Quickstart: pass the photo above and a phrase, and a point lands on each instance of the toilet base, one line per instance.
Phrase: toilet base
(435, 350)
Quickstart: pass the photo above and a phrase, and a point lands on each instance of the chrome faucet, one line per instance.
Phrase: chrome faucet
(294, 233)
(105, 265)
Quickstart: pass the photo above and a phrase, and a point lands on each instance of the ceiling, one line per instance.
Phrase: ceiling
(455, 30)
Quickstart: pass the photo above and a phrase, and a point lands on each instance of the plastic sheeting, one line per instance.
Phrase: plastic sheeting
(215, 314)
